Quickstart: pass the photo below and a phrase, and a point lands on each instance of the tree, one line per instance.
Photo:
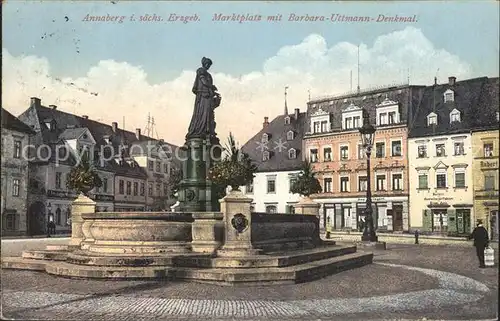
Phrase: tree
(307, 183)
(83, 177)
(235, 170)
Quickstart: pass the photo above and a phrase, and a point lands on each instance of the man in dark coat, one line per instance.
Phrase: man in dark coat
(481, 240)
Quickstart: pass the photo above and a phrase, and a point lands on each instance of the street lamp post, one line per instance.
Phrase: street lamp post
(49, 219)
(367, 135)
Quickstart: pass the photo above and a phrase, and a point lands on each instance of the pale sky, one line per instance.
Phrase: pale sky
(145, 67)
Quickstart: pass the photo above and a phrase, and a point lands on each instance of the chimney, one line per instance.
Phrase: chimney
(266, 122)
(114, 126)
(452, 80)
(297, 112)
(35, 102)
(138, 133)
(85, 117)
(53, 107)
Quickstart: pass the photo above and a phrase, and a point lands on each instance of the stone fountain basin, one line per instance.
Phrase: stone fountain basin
(136, 232)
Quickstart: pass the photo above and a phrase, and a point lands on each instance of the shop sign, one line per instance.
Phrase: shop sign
(489, 164)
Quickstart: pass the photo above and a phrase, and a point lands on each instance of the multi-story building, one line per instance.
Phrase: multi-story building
(277, 151)
(441, 155)
(333, 144)
(485, 153)
(61, 140)
(15, 175)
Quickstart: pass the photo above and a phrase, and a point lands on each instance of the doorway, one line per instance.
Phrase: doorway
(439, 221)
(397, 217)
(463, 221)
(36, 219)
(494, 225)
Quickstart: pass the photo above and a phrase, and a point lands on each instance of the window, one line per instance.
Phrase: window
(489, 181)
(292, 154)
(455, 116)
(121, 187)
(58, 180)
(271, 185)
(348, 123)
(143, 187)
(17, 149)
(316, 126)
(422, 151)
(441, 180)
(158, 166)
(158, 189)
(344, 152)
(249, 188)
(290, 209)
(150, 165)
(380, 150)
(440, 150)
(397, 182)
(62, 152)
(396, 148)
(105, 185)
(362, 184)
(287, 120)
(392, 117)
(361, 152)
(458, 148)
(165, 168)
(265, 138)
(423, 182)
(324, 128)
(344, 184)
(313, 155)
(58, 216)
(150, 189)
(136, 188)
(431, 119)
(380, 182)
(356, 121)
(327, 154)
(327, 185)
(291, 181)
(488, 150)
(459, 179)
(265, 156)
(289, 135)
(16, 184)
(448, 96)
(271, 209)
(129, 188)
(382, 119)
(10, 221)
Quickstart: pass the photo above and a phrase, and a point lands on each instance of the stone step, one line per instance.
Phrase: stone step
(86, 258)
(45, 255)
(57, 247)
(20, 263)
(108, 272)
(283, 275)
(275, 259)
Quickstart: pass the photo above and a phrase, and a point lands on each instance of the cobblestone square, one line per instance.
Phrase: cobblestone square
(405, 282)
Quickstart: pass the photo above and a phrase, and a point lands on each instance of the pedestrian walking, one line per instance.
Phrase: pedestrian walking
(481, 241)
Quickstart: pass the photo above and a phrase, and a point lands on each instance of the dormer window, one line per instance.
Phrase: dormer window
(351, 117)
(320, 121)
(431, 119)
(50, 124)
(498, 116)
(106, 139)
(287, 120)
(289, 135)
(265, 156)
(388, 112)
(265, 138)
(292, 153)
(449, 95)
(455, 116)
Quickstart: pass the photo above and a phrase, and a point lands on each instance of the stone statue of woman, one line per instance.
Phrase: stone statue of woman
(207, 99)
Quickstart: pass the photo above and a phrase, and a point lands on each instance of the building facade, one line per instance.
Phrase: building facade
(333, 145)
(276, 150)
(15, 175)
(61, 141)
(441, 153)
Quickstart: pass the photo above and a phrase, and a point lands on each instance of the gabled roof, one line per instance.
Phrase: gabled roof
(72, 133)
(277, 130)
(476, 99)
(11, 122)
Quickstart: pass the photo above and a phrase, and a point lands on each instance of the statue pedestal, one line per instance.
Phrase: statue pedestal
(196, 193)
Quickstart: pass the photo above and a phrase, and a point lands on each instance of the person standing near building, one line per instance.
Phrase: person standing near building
(481, 241)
